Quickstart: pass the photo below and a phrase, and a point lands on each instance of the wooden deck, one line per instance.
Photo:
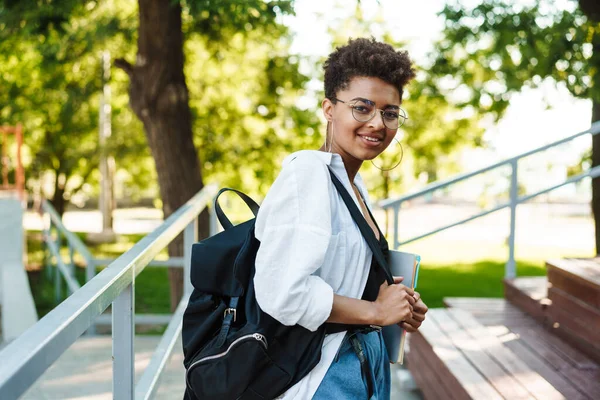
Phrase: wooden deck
(569, 371)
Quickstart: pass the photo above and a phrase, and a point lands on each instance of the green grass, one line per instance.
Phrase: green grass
(151, 286)
(479, 279)
(442, 274)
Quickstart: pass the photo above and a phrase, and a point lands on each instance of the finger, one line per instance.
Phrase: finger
(421, 307)
(407, 327)
(410, 300)
(418, 317)
(417, 296)
(398, 279)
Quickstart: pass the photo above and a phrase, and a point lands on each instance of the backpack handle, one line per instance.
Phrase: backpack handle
(225, 223)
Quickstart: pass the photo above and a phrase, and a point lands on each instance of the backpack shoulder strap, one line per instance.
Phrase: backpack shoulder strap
(364, 227)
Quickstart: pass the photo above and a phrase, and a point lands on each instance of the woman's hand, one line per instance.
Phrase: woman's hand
(394, 303)
(418, 315)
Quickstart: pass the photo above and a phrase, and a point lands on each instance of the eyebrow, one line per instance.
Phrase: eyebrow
(371, 102)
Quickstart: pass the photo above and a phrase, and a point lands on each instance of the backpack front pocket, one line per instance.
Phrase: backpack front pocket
(226, 374)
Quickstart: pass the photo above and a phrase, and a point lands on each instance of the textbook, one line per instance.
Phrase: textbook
(405, 265)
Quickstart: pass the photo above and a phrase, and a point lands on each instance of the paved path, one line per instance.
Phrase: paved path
(84, 371)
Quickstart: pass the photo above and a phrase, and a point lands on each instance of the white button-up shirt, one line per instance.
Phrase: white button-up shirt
(310, 249)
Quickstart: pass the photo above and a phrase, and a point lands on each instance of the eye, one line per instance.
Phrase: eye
(362, 108)
(390, 115)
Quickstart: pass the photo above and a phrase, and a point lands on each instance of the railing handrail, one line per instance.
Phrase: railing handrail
(26, 358)
(73, 239)
(594, 129)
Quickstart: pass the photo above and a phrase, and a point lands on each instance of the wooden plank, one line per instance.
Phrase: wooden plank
(554, 377)
(535, 287)
(475, 303)
(586, 271)
(582, 330)
(591, 350)
(565, 367)
(466, 374)
(588, 381)
(441, 374)
(529, 295)
(427, 376)
(472, 348)
(535, 384)
(576, 281)
(552, 348)
(588, 318)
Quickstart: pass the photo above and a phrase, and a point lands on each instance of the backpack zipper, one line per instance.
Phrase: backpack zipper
(256, 336)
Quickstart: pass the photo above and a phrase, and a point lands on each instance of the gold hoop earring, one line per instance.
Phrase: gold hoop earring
(398, 163)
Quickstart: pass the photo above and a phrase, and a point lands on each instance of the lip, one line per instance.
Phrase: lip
(369, 142)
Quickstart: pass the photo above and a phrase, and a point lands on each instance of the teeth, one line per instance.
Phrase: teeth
(370, 139)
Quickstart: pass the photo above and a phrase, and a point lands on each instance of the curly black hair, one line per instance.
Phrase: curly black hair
(370, 58)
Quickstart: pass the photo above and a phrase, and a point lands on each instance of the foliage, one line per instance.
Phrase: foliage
(494, 49)
(435, 129)
(51, 80)
(51, 73)
(244, 127)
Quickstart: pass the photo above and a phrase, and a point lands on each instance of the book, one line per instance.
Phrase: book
(405, 265)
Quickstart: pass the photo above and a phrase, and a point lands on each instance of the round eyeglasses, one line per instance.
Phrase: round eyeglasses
(364, 110)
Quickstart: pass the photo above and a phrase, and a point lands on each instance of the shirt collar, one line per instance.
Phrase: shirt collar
(337, 165)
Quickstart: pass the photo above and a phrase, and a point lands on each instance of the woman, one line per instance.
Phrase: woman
(313, 262)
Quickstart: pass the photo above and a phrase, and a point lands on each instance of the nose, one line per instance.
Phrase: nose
(377, 121)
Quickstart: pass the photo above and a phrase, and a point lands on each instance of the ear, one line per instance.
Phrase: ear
(327, 107)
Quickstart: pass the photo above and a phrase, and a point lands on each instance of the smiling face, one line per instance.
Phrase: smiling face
(358, 141)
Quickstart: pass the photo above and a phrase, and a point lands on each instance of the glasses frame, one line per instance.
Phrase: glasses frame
(402, 116)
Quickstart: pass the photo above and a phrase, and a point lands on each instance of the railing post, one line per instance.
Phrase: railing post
(90, 269)
(57, 277)
(190, 236)
(90, 272)
(396, 216)
(72, 263)
(47, 254)
(123, 330)
(510, 268)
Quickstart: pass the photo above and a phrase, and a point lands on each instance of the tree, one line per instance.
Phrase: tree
(496, 48)
(158, 89)
(159, 93)
(49, 63)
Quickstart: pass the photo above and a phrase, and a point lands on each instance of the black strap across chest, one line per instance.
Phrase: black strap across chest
(379, 271)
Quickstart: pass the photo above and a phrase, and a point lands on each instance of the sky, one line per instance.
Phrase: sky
(535, 117)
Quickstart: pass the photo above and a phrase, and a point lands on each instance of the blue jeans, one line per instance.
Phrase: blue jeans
(344, 378)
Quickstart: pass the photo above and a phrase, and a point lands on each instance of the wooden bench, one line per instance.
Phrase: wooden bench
(574, 292)
(453, 356)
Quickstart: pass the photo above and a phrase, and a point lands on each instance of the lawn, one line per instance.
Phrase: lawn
(436, 281)
(151, 286)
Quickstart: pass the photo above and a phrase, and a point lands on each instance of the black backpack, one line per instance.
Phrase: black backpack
(232, 349)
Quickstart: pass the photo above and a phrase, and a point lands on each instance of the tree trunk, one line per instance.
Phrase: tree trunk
(596, 181)
(58, 197)
(159, 97)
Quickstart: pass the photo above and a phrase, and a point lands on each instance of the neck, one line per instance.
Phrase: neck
(351, 164)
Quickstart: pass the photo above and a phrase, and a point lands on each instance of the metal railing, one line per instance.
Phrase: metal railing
(26, 358)
(514, 201)
(56, 235)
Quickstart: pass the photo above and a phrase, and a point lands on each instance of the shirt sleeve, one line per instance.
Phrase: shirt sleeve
(294, 228)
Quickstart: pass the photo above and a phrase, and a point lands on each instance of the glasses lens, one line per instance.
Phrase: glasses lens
(362, 111)
(401, 117)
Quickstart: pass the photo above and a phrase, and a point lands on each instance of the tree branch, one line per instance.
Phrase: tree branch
(124, 65)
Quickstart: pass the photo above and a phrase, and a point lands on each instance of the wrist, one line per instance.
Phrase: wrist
(374, 315)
